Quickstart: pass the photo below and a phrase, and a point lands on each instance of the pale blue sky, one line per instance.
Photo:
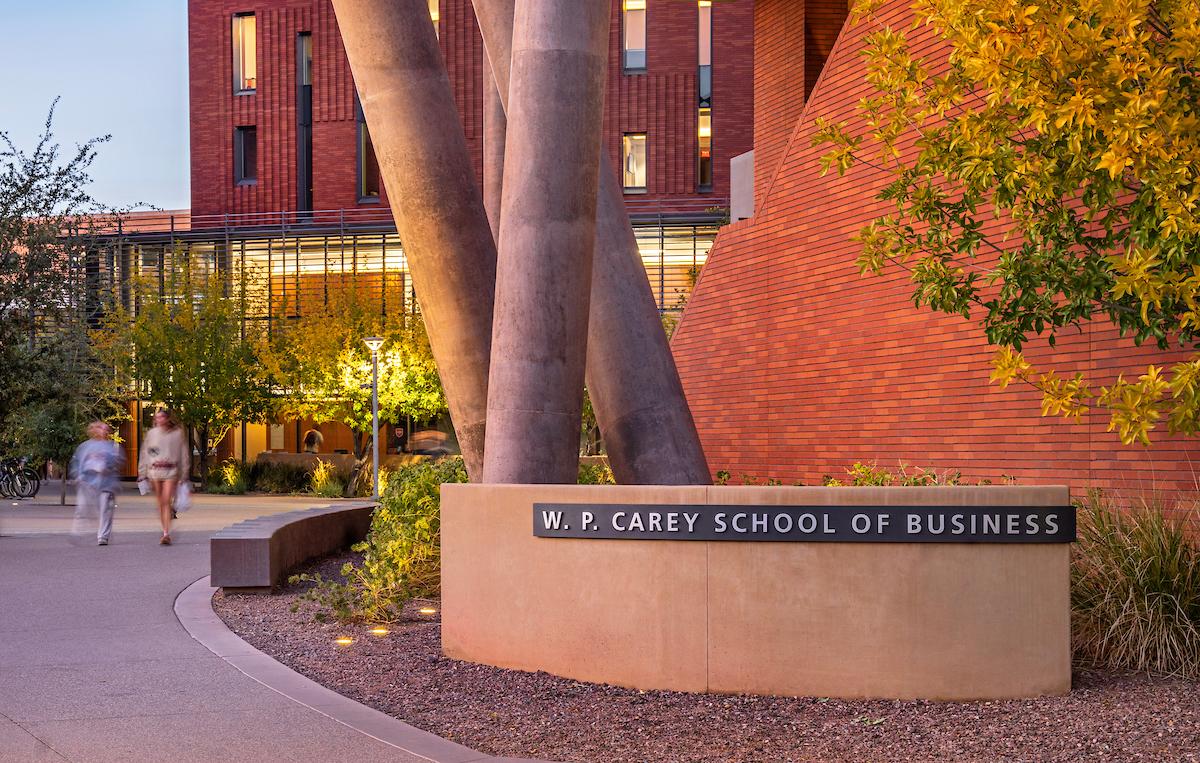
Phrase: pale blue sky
(121, 69)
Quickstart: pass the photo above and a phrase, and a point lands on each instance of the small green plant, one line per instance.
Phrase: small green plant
(228, 479)
(1135, 587)
(867, 475)
(722, 478)
(327, 481)
(595, 474)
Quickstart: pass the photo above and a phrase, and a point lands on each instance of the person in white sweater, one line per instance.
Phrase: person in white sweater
(165, 460)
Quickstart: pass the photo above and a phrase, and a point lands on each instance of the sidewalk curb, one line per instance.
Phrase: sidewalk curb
(194, 609)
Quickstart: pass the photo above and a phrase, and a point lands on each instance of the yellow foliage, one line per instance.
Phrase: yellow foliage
(1075, 123)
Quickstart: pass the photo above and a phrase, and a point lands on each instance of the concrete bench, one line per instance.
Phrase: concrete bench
(257, 554)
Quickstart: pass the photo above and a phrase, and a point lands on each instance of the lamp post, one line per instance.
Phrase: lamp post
(374, 342)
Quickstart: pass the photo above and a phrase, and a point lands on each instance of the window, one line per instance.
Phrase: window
(633, 148)
(704, 174)
(705, 57)
(633, 43)
(368, 165)
(304, 185)
(435, 15)
(245, 155)
(245, 66)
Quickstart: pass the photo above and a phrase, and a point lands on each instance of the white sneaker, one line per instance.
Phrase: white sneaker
(102, 542)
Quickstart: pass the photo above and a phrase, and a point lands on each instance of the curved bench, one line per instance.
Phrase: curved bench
(257, 554)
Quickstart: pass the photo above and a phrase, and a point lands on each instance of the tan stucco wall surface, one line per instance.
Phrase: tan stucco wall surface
(896, 620)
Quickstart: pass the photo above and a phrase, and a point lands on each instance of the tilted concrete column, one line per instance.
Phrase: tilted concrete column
(430, 179)
(495, 124)
(547, 232)
(640, 405)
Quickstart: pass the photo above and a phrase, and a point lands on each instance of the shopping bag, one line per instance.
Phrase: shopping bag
(183, 496)
(144, 486)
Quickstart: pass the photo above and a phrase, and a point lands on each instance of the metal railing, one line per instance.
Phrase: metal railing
(364, 218)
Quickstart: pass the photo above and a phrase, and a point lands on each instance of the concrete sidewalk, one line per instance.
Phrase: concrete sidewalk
(95, 665)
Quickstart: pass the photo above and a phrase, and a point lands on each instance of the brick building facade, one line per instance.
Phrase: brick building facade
(797, 367)
(660, 102)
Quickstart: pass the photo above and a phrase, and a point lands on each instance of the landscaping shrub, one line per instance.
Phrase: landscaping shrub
(1135, 587)
(228, 479)
(402, 554)
(326, 481)
(863, 474)
(277, 478)
(590, 474)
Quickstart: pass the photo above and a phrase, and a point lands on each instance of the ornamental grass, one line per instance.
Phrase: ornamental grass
(1135, 586)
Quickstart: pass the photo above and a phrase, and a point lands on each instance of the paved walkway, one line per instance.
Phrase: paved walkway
(95, 665)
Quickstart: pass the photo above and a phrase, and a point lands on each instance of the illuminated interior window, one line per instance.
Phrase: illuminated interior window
(435, 15)
(633, 25)
(633, 163)
(704, 133)
(245, 66)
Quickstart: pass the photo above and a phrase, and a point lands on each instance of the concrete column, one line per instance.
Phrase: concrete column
(495, 125)
(643, 414)
(430, 179)
(547, 232)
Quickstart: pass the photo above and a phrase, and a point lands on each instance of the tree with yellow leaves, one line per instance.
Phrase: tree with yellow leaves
(324, 366)
(1045, 173)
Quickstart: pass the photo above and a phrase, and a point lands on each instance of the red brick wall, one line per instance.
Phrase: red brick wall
(796, 367)
(662, 103)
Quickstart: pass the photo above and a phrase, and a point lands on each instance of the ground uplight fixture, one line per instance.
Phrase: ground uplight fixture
(379, 631)
(428, 611)
(345, 641)
(374, 342)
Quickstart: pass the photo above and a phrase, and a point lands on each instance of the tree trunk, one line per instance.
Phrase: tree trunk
(362, 444)
(202, 446)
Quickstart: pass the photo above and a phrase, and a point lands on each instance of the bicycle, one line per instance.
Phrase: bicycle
(18, 480)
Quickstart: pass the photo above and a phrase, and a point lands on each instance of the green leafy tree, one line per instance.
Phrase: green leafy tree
(323, 363)
(1044, 174)
(51, 379)
(189, 347)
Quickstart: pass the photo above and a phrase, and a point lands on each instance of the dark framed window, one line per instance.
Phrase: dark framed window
(633, 36)
(245, 155)
(633, 162)
(368, 165)
(304, 184)
(245, 52)
(704, 162)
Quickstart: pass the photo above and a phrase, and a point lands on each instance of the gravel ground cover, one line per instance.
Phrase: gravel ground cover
(1109, 716)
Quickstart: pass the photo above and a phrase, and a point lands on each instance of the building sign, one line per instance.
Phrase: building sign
(839, 524)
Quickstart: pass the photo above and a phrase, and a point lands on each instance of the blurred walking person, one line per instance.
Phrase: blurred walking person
(97, 467)
(165, 460)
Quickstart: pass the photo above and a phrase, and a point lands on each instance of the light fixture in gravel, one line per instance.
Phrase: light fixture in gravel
(379, 631)
(345, 641)
(429, 611)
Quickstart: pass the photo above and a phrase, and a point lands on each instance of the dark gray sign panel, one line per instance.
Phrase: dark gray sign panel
(808, 524)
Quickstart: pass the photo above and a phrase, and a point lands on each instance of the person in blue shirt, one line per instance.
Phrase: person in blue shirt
(96, 467)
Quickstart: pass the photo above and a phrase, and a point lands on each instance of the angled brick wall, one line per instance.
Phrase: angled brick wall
(796, 367)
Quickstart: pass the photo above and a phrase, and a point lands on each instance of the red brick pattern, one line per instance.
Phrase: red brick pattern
(796, 367)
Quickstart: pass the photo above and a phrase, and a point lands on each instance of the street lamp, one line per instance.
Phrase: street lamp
(374, 342)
